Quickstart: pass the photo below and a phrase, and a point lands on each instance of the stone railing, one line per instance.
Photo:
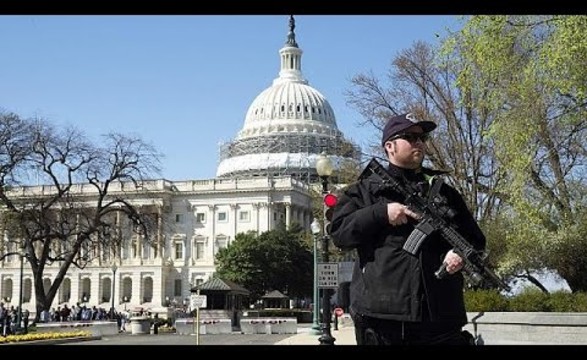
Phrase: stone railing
(532, 328)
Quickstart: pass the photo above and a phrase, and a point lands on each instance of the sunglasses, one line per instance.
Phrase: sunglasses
(412, 137)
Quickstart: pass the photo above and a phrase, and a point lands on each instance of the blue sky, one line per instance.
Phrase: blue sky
(184, 83)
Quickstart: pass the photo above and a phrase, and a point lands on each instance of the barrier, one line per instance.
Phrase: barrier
(140, 325)
(185, 326)
(96, 328)
(269, 326)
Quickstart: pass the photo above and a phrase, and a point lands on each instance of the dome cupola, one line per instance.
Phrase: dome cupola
(286, 126)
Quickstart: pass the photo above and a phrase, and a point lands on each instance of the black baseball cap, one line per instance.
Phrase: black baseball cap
(397, 124)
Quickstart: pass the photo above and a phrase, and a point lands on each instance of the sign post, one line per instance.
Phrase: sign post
(328, 275)
(198, 301)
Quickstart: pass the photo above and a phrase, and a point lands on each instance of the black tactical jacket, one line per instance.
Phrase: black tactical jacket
(388, 282)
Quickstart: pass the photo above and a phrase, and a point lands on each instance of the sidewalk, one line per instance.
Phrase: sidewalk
(345, 335)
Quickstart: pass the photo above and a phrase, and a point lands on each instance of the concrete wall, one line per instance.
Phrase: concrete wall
(97, 328)
(532, 328)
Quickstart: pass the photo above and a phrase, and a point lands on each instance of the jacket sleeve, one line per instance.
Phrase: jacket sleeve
(356, 218)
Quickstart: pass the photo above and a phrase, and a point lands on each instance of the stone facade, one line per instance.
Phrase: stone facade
(197, 218)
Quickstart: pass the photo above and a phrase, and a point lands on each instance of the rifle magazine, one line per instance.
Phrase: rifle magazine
(417, 237)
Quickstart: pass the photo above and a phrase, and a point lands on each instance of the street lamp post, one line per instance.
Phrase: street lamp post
(114, 268)
(315, 226)
(324, 168)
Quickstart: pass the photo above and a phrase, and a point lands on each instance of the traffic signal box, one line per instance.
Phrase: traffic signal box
(330, 201)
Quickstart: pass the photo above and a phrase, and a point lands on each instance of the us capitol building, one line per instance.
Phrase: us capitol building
(264, 178)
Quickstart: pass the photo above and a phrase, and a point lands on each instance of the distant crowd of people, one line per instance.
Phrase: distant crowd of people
(75, 313)
(9, 320)
(78, 312)
(9, 317)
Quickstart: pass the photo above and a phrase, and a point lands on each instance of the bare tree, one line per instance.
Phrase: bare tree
(74, 218)
(419, 82)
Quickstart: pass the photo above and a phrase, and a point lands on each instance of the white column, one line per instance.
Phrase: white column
(256, 207)
(287, 215)
(136, 297)
(95, 297)
(212, 219)
(270, 206)
(234, 209)
(159, 229)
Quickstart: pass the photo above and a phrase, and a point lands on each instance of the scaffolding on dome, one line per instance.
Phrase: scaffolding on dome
(307, 144)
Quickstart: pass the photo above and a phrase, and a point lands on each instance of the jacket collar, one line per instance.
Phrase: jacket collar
(410, 174)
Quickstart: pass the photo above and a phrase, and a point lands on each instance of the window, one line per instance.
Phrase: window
(146, 250)
(221, 242)
(135, 249)
(178, 218)
(177, 287)
(178, 250)
(244, 216)
(199, 250)
(201, 217)
(222, 216)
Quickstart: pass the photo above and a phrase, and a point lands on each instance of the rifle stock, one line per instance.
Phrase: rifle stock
(433, 219)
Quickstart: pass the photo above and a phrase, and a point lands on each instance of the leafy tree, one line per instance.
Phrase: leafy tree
(508, 95)
(58, 225)
(530, 72)
(274, 260)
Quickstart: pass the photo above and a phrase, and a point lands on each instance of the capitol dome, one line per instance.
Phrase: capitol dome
(286, 127)
(289, 107)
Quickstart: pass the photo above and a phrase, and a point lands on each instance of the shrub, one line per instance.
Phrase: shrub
(485, 300)
(581, 301)
(530, 299)
(561, 301)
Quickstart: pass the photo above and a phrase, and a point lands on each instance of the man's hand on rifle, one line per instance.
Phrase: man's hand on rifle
(453, 262)
(398, 214)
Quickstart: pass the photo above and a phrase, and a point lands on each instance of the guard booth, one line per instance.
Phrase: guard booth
(224, 300)
(275, 300)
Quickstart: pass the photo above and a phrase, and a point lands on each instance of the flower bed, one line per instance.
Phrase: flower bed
(43, 336)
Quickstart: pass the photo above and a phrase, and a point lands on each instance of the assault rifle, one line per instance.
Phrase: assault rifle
(433, 217)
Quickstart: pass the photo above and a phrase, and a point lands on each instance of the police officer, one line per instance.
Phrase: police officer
(395, 297)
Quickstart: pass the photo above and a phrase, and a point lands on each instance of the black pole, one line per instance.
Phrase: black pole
(326, 337)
